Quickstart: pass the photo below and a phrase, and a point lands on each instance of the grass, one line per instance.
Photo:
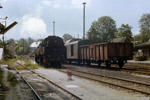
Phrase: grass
(12, 79)
(1, 77)
(10, 62)
(30, 65)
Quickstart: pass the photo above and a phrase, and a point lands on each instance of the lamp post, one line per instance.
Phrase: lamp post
(84, 20)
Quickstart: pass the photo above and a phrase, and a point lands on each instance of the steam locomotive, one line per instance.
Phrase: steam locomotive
(51, 52)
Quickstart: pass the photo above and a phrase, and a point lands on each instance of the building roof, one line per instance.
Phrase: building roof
(35, 44)
(121, 39)
(143, 45)
(72, 41)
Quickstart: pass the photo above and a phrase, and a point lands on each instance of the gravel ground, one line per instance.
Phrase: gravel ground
(43, 88)
(115, 73)
(88, 90)
(133, 61)
(19, 92)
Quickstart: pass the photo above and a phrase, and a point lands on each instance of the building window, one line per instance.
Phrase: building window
(71, 50)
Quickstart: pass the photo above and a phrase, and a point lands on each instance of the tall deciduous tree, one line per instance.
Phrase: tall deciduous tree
(30, 41)
(125, 31)
(22, 47)
(102, 30)
(67, 36)
(11, 41)
(145, 27)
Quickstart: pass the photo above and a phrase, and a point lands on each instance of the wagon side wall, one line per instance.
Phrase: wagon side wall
(120, 50)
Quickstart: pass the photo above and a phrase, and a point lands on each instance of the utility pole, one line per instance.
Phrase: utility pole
(84, 20)
(54, 28)
(134, 39)
(23, 47)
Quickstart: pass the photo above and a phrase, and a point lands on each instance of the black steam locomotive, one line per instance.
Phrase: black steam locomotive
(51, 52)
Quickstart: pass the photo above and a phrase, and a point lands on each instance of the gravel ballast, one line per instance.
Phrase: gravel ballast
(89, 90)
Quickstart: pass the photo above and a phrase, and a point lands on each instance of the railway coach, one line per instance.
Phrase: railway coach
(108, 53)
(73, 49)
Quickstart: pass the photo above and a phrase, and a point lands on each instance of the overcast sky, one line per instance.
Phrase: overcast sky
(35, 17)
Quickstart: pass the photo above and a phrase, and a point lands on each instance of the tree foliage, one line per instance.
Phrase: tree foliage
(138, 39)
(125, 31)
(30, 41)
(67, 36)
(145, 27)
(23, 46)
(11, 41)
(102, 30)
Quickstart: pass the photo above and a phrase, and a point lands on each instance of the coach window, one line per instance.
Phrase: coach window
(71, 50)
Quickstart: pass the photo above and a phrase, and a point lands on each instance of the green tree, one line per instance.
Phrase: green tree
(102, 30)
(145, 27)
(125, 31)
(67, 36)
(30, 41)
(1, 43)
(22, 47)
(11, 41)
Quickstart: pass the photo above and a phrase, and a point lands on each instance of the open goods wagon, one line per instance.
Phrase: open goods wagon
(51, 52)
(108, 53)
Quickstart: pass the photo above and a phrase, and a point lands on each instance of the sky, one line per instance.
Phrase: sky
(35, 17)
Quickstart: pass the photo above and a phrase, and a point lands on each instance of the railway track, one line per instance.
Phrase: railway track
(30, 86)
(118, 82)
(134, 69)
(73, 96)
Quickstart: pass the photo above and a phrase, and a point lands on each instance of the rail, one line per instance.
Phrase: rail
(72, 95)
(36, 94)
(109, 83)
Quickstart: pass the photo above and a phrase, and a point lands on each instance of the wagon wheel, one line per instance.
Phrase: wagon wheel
(99, 63)
(79, 62)
(58, 65)
(70, 62)
(121, 63)
(108, 65)
(88, 63)
(46, 65)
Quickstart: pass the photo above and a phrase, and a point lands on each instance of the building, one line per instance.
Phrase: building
(142, 50)
(121, 39)
(33, 46)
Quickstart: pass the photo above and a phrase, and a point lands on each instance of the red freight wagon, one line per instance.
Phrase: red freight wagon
(108, 53)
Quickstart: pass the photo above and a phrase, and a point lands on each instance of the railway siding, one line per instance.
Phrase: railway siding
(58, 90)
(126, 83)
(113, 73)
